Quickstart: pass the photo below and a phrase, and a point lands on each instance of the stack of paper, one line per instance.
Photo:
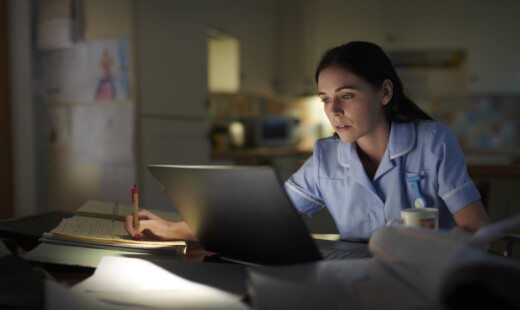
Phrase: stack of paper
(101, 225)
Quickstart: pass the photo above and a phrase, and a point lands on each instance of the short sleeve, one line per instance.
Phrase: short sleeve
(455, 186)
(302, 187)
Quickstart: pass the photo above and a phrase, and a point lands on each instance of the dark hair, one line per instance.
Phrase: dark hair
(371, 63)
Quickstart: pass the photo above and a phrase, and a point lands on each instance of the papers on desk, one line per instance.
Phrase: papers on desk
(137, 283)
(58, 297)
(100, 224)
(410, 268)
(83, 256)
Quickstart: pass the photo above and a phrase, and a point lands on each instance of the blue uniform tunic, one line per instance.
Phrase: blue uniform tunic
(334, 177)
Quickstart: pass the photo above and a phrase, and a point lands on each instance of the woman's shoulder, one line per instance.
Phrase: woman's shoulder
(334, 139)
(431, 128)
(327, 143)
(326, 147)
(434, 135)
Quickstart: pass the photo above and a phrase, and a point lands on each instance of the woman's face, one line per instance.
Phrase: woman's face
(354, 108)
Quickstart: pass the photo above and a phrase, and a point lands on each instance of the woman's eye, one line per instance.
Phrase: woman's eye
(325, 100)
(348, 96)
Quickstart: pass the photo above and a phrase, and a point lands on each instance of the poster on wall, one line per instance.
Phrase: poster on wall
(90, 71)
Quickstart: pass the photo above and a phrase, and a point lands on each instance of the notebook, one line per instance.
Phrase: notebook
(240, 212)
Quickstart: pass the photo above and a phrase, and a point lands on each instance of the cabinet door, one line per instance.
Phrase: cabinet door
(174, 142)
(413, 24)
(254, 24)
(494, 47)
(338, 22)
(172, 57)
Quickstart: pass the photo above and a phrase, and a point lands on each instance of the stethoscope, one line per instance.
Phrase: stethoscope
(418, 201)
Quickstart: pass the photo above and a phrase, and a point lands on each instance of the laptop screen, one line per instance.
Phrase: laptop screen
(240, 212)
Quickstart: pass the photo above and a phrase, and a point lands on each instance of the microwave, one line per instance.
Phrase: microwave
(276, 131)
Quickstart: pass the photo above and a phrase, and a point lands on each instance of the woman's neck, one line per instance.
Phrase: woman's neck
(372, 148)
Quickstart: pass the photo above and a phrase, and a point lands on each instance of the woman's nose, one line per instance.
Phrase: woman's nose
(337, 107)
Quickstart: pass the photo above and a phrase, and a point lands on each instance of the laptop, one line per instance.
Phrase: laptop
(239, 212)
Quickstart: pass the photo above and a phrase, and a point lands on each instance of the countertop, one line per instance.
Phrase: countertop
(478, 166)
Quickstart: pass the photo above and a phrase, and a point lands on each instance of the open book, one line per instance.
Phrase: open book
(452, 267)
(101, 225)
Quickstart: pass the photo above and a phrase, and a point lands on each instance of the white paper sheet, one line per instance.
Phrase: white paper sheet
(102, 134)
(67, 76)
(57, 24)
(132, 282)
(87, 72)
(58, 297)
(56, 127)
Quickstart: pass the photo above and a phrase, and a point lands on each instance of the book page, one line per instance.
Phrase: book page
(116, 211)
(101, 208)
(102, 230)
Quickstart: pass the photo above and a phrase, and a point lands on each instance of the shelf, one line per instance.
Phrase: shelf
(260, 153)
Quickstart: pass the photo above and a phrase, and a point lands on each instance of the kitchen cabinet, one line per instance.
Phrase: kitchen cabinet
(424, 25)
(338, 22)
(296, 41)
(310, 27)
(172, 123)
(493, 47)
(172, 58)
(169, 141)
(254, 25)
(392, 24)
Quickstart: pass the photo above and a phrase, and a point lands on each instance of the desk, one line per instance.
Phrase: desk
(336, 284)
(25, 231)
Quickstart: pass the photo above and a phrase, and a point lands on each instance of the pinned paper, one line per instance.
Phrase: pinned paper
(57, 24)
(102, 134)
(88, 72)
(56, 127)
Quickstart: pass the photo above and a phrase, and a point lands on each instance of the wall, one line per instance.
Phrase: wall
(480, 123)
(6, 185)
(25, 177)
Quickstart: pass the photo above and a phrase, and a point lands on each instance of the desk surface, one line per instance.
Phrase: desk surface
(325, 283)
(70, 264)
(26, 231)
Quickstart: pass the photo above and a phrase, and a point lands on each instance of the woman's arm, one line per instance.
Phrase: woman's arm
(471, 218)
(158, 228)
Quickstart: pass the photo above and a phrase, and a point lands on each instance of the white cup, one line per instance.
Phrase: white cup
(418, 217)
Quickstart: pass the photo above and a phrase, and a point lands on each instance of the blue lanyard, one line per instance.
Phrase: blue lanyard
(418, 201)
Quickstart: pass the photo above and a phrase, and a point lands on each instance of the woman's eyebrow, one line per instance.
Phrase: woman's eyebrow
(341, 88)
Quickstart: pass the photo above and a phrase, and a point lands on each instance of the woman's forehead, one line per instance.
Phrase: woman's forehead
(335, 76)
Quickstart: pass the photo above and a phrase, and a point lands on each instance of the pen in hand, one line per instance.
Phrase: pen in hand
(135, 202)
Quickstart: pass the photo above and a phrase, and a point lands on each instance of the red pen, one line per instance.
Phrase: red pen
(135, 202)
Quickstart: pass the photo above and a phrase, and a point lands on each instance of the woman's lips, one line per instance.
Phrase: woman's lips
(342, 127)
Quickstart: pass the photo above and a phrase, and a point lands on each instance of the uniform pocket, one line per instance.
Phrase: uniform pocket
(424, 185)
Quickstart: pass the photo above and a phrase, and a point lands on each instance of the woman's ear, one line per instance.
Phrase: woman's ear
(388, 91)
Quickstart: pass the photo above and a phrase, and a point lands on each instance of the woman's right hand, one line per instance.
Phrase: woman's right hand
(157, 228)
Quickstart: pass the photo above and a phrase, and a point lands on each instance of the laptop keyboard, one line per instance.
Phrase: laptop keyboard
(342, 249)
(341, 254)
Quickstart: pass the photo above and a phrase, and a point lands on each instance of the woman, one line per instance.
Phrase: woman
(383, 146)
